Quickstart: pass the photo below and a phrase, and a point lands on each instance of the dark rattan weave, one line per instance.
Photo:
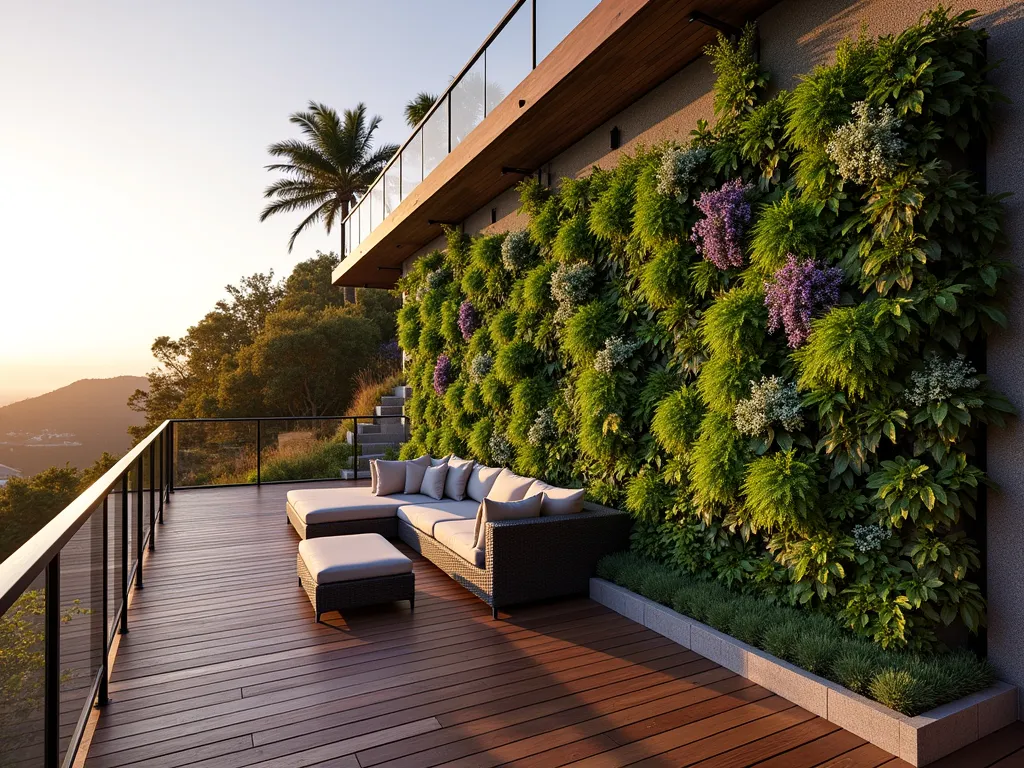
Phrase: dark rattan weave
(340, 595)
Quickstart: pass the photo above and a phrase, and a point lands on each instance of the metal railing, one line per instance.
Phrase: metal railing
(528, 31)
(64, 594)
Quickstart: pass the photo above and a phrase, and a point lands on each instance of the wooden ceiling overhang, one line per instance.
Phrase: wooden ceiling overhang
(618, 53)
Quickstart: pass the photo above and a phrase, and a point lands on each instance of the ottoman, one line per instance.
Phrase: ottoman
(361, 569)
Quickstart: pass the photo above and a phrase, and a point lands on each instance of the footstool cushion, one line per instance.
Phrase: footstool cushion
(361, 569)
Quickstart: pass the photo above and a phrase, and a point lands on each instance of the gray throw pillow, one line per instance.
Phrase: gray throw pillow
(423, 461)
(458, 478)
(492, 511)
(390, 477)
(414, 476)
(438, 462)
(373, 476)
(481, 479)
(433, 481)
(509, 486)
(557, 501)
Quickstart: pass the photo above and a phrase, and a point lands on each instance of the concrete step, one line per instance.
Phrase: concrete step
(372, 441)
(405, 392)
(392, 400)
(368, 429)
(389, 410)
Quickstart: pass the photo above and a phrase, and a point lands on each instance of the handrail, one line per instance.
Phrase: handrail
(444, 96)
(18, 570)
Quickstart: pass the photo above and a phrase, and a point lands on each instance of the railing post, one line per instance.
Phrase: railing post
(152, 496)
(533, 35)
(259, 449)
(103, 697)
(163, 466)
(170, 459)
(51, 666)
(124, 554)
(139, 501)
(355, 448)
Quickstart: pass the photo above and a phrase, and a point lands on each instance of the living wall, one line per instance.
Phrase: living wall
(763, 343)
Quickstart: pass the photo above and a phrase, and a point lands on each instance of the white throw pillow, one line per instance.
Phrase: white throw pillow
(458, 478)
(481, 479)
(373, 476)
(491, 511)
(433, 481)
(557, 501)
(390, 477)
(414, 476)
(509, 486)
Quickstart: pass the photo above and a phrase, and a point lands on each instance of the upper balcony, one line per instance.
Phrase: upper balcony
(551, 72)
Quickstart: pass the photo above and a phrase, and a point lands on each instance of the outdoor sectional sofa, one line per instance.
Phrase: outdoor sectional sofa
(523, 560)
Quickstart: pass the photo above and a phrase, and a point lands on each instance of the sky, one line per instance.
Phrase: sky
(133, 141)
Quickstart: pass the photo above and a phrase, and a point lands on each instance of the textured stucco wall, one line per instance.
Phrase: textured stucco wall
(795, 36)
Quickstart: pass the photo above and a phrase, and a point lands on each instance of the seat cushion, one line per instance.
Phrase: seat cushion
(332, 505)
(330, 559)
(458, 536)
(426, 514)
(557, 501)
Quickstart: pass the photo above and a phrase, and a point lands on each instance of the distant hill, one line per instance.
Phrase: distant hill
(74, 424)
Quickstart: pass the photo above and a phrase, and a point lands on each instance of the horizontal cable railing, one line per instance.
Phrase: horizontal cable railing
(527, 32)
(65, 593)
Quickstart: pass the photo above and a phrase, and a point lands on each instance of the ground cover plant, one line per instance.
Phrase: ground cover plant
(907, 682)
(763, 342)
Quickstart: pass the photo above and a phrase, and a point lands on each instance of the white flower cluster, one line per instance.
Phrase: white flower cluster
(438, 278)
(570, 285)
(501, 450)
(772, 401)
(940, 379)
(543, 429)
(516, 251)
(616, 351)
(868, 538)
(867, 147)
(480, 366)
(679, 169)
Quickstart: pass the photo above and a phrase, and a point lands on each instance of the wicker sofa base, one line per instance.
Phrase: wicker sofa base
(356, 593)
(385, 526)
(476, 580)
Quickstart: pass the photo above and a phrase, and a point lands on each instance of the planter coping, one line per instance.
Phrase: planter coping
(919, 740)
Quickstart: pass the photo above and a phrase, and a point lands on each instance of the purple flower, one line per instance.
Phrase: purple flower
(796, 292)
(719, 236)
(469, 321)
(443, 375)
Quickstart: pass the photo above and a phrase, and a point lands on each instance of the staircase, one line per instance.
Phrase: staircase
(388, 431)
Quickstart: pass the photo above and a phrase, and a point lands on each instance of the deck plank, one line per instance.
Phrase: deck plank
(224, 667)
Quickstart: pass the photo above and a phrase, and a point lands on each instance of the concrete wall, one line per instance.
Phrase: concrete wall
(795, 36)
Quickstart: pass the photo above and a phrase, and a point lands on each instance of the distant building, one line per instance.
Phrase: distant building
(6, 473)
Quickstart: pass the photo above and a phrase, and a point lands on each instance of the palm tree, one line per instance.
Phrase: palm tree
(417, 108)
(328, 170)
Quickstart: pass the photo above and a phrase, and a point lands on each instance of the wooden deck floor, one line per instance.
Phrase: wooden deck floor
(224, 667)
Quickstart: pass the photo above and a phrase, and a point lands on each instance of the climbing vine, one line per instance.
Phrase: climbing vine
(762, 342)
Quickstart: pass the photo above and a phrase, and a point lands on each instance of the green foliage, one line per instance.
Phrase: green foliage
(845, 487)
(780, 491)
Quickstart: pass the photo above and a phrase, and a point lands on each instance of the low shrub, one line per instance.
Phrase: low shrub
(903, 681)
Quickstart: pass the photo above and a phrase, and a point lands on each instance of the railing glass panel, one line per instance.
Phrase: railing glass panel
(435, 138)
(377, 204)
(305, 449)
(556, 19)
(214, 453)
(392, 188)
(509, 57)
(412, 164)
(467, 102)
(22, 642)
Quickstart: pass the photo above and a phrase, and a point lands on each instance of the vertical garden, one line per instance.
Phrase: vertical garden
(764, 343)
